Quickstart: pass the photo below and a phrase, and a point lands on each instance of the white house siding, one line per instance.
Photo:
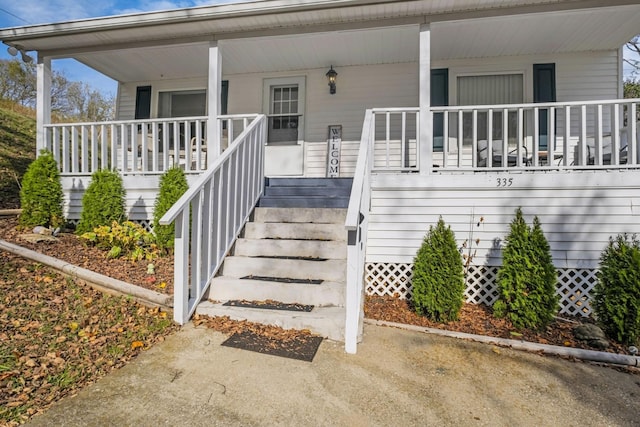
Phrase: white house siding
(578, 211)
(579, 76)
(141, 193)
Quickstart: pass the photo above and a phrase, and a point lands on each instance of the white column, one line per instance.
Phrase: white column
(426, 125)
(43, 100)
(214, 106)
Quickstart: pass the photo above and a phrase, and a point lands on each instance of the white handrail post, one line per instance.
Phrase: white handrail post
(425, 145)
(181, 268)
(213, 102)
(43, 101)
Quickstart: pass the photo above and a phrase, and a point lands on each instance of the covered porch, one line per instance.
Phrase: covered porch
(434, 102)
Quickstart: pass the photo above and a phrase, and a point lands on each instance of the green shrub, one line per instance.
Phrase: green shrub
(127, 239)
(617, 291)
(103, 201)
(41, 193)
(527, 278)
(173, 184)
(438, 279)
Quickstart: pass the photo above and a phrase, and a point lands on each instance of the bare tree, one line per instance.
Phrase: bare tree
(633, 46)
(69, 100)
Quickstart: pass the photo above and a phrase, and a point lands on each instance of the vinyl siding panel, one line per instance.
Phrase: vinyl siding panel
(579, 76)
(141, 193)
(578, 211)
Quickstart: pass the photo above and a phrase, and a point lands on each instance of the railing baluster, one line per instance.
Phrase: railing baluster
(632, 157)
(505, 138)
(490, 138)
(445, 140)
(387, 137)
(615, 135)
(583, 135)
(599, 131)
(403, 140)
(536, 136)
(95, 153)
(519, 136)
(474, 138)
(567, 134)
(460, 138)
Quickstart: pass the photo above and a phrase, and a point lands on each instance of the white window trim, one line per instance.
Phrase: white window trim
(302, 98)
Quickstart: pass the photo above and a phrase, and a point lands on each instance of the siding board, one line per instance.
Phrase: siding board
(578, 212)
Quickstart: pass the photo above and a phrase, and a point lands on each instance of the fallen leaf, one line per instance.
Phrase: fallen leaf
(136, 344)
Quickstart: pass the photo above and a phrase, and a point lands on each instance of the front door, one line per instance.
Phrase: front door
(284, 103)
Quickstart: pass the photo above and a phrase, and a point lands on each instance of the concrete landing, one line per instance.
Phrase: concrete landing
(398, 378)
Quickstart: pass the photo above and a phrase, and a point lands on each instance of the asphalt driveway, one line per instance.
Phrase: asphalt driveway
(398, 378)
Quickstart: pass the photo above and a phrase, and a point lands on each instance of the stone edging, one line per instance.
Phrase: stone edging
(98, 281)
(578, 353)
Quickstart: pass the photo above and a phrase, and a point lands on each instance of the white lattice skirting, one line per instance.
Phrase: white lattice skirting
(574, 285)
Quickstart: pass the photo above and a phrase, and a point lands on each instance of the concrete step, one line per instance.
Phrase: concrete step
(325, 321)
(307, 192)
(295, 231)
(305, 215)
(225, 288)
(309, 182)
(304, 202)
(333, 270)
(291, 248)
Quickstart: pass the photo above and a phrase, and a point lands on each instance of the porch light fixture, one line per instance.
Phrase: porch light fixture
(331, 76)
(14, 50)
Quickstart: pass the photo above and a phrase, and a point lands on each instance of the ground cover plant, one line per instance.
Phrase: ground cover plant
(617, 291)
(57, 336)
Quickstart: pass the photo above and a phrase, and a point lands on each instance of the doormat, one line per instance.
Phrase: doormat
(284, 280)
(300, 347)
(269, 305)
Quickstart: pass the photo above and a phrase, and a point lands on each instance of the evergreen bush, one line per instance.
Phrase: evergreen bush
(438, 278)
(103, 201)
(527, 278)
(41, 193)
(617, 291)
(173, 184)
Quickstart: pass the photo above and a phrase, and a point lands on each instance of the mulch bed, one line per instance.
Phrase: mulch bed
(479, 320)
(69, 248)
(474, 319)
(266, 339)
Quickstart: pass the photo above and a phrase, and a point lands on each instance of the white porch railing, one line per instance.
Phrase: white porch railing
(559, 135)
(209, 216)
(138, 146)
(356, 224)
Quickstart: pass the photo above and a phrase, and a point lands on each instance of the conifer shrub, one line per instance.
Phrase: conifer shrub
(617, 291)
(438, 279)
(103, 201)
(527, 278)
(41, 193)
(173, 184)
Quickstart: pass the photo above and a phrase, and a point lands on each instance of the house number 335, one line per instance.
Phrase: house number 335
(504, 182)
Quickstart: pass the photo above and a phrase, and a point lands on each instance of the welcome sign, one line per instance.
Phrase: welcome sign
(333, 151)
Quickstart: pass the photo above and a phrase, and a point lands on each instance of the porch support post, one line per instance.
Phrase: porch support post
(214, 106)
(426, 126)
(43, 101)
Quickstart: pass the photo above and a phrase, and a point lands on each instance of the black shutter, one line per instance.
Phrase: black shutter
(143, 102)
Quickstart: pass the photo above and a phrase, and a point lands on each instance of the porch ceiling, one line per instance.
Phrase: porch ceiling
(534, 33)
